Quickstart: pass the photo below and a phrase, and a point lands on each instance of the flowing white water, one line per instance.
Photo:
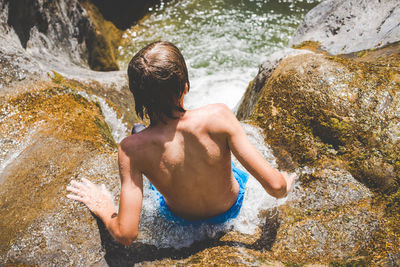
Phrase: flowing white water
(223, 41)
(118, 128)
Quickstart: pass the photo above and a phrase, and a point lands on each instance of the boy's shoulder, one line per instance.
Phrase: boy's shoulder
(135, 143)
(212, 110)
(214, 117)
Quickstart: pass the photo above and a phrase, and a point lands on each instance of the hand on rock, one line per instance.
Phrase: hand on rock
(97, 199)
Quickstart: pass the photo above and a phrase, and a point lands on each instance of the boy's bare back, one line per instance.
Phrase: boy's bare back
(189, 161)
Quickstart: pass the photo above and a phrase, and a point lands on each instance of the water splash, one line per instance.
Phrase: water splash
(223, 41)
(119, 129)
(15, 137)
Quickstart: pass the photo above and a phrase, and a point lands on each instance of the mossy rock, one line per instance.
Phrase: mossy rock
(103, 40)
(48, 137)
(322, 111)
(343, 108)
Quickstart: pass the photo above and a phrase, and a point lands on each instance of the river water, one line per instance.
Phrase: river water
(223, 42)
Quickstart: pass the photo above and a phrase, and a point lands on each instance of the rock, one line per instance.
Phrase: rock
(61, 31)
(49, 137)
(102, 41)
(336, 114)
(16, 64)
(343, 27)
(345, 108)
(329, 217)
(124, 13)
(253, 91)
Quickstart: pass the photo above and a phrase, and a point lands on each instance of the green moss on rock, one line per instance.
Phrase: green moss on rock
(319, 110)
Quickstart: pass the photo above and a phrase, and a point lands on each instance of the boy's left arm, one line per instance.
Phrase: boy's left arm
(124, 227)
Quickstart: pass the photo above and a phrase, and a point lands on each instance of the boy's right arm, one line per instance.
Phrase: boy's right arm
(277, 184)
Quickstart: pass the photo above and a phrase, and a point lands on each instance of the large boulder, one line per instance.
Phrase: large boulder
(48, 137)
(316, 107)
(59, 32)
(254, 90)
(337, 116)
(343, 26)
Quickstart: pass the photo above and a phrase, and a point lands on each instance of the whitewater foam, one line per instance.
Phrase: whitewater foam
(119, 129)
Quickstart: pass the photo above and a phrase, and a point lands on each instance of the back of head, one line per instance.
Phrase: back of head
(157, 78)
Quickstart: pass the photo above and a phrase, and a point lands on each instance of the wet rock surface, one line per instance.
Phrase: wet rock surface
(60, 32)
(343, 26)
(124, 13)
(49, 137)
(329, 217)
(253, 92)
(321, 111)
(336, 107)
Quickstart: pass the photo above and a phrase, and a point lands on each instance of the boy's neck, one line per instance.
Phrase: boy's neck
(166, 120)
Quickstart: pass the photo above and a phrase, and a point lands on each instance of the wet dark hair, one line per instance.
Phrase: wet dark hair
(157, 78)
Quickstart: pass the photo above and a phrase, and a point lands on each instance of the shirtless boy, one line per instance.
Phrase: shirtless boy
(185, 154)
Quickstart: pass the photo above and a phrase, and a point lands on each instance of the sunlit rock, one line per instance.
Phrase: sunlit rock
(49, 137)
(346, 108)
(329, 217)
(343, 26)
(61, 31)
(339, 112)
(253, 92)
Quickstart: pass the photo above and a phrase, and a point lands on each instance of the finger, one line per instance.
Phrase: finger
(87, 182)
(77, 184)
(75, 197)
(76, 191)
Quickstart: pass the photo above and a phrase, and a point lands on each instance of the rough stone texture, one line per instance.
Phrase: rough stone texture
(48, 137)
(317, 107)
(323, 111)
(253, 91)
(330, 217)
(16, 64)
(343, 26)
(59, 32)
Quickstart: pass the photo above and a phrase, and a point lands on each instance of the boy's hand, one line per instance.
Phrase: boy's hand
(97, 199)
(289, 180)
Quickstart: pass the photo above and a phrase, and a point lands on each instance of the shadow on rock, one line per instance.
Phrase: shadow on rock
(119, 255)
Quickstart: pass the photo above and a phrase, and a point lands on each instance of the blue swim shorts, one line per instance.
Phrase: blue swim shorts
(233, 212)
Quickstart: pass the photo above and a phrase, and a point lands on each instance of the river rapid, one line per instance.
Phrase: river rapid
(223, 43)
